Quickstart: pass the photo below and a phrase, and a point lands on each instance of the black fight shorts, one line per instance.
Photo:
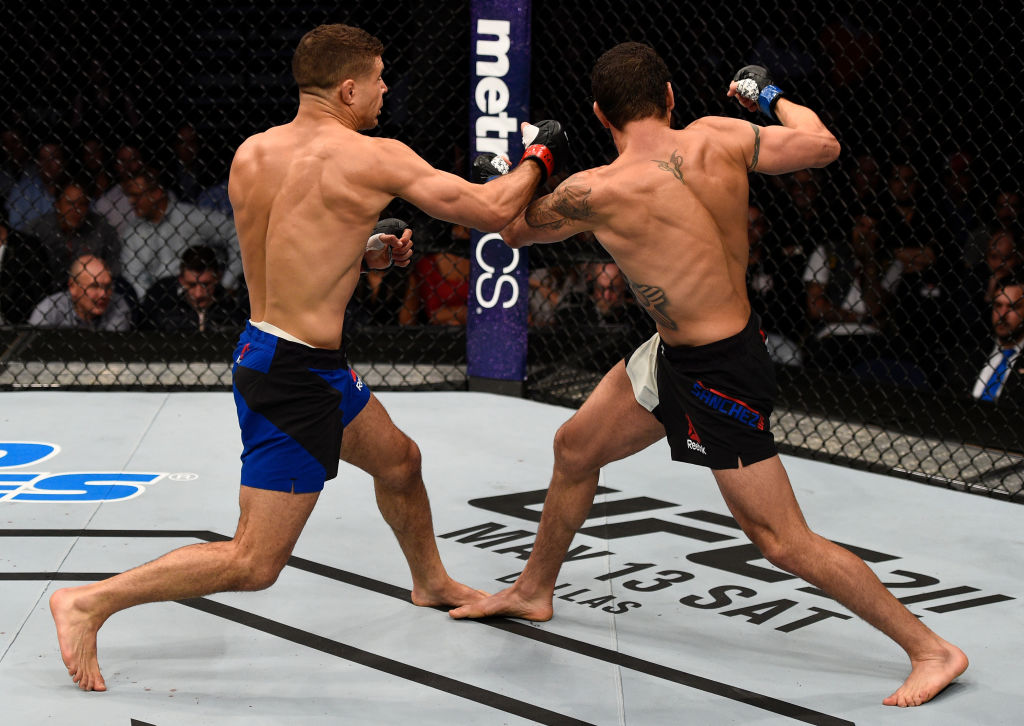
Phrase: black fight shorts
(714, 400)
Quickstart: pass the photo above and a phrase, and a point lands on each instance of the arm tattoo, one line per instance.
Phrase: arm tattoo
(757, 147)
(653, 300)
(567, 202)
(673, 166)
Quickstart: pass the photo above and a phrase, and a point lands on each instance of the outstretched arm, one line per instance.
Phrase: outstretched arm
(557, 216)
(487, 207)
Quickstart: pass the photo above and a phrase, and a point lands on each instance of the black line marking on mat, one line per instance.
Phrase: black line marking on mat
(383, 664)
(936, 594)
(515, 627)
(136, 722)
(976, 602)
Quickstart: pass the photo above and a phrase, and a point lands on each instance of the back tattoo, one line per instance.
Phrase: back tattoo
(673, 166)
(652, 299)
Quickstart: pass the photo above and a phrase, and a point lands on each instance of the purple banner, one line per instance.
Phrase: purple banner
(499, 284)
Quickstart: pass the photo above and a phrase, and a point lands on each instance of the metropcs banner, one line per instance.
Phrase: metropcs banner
(500, 67)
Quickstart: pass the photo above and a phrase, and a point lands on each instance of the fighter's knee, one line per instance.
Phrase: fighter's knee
(571, 454)
(404, 465)
(260, 575)
(782, 551)
(253, 572)
(409, 460)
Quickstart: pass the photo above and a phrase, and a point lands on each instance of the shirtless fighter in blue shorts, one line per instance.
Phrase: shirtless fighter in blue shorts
(672, 211)
(306, 196)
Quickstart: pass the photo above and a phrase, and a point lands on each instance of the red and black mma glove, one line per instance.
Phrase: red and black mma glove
(392, 226)
(754, 84)
(543, 141)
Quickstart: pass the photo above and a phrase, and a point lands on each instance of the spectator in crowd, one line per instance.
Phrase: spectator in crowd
(775, 290)
(927, 273)
(606, 303)
(1002, 259)
(973, 299)
(1003, 216)
(548, 287)
(806, 222)
(115, 205)
(847, 289)
(906, 230)
(194, 300)
(96, 177)
(23, 273)
(166, 228)
(999, 378)
(14, 160)
(189, 171)
(554, 277)
(378, 298)
(71, 230)
(90, 301)
(959, 203)
(34, 194)
(867, 184)
(216, 197)
(438, 288)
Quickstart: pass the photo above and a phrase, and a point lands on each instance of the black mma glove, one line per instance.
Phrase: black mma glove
(391, 225)
(753, 83)
(487, 167)
(541, 141)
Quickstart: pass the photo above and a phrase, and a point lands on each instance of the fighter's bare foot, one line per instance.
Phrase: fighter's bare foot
(447, 593)
(76, 634)
(508, 603)
(928, 676)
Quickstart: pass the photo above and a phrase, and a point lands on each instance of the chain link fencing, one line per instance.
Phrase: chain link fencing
(875, 278)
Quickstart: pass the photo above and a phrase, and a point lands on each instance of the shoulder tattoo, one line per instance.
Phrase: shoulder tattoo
(757, 147)
(673, 166)
(567, 202)
(653, 300)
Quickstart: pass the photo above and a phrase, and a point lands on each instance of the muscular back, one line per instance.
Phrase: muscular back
(673, 215)
(304, 209)
(671, 210)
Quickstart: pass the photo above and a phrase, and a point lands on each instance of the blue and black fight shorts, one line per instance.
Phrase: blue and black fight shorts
(715, 401)
(293, 404)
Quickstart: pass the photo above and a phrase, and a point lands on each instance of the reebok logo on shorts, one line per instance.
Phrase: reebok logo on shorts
(693, 438)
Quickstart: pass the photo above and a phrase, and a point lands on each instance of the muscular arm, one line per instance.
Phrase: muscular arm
(801, 142)
(552, 218)
(487, 207)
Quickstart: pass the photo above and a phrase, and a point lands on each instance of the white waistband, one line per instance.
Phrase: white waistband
(274, 330)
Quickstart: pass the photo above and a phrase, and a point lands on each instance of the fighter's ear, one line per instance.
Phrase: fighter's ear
(670, 99)
(601, 117)
(347, 91)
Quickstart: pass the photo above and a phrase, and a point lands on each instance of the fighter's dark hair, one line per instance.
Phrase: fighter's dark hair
(628, 83)
(328, 54)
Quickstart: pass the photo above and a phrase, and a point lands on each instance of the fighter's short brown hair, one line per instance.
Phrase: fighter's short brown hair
(328, 54)
(628, 83)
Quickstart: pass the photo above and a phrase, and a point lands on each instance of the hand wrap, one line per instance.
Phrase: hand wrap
(391, 226)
